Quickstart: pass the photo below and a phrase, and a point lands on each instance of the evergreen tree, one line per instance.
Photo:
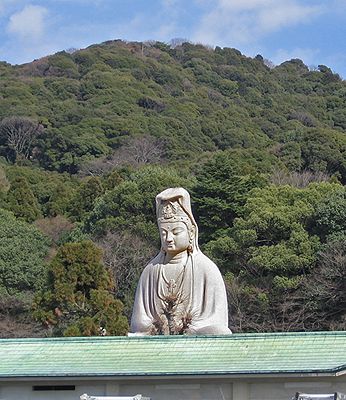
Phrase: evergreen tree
(79, 299)
(221, 191)
(83, 201)
(59, 200)
(23, 249)
(21, 200)
(4, 186)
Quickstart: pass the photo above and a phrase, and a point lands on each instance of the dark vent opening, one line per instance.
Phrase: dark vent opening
(53, 387)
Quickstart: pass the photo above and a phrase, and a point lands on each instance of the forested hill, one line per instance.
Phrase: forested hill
(89, 137)
(195, 98)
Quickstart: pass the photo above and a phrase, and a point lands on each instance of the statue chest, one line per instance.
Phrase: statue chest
(173, 271)
(172, 279)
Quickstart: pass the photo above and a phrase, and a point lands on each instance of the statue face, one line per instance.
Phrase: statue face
(175, 237)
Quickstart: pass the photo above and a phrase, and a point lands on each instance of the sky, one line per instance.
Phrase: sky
(279, 30)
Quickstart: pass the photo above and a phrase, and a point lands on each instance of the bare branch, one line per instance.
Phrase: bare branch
(125, 255)
(136, 152)
(298, 179)
(19, 133)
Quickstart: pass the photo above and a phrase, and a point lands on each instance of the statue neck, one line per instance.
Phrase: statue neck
(177, 258)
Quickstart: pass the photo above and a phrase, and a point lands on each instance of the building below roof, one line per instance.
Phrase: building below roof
(235, 367)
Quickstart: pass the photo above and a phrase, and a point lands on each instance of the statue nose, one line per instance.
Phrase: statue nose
(169, 237)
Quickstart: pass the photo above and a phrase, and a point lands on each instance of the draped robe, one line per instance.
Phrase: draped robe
(202, 297)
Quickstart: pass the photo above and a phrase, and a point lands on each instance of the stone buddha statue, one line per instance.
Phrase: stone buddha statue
(180, 291)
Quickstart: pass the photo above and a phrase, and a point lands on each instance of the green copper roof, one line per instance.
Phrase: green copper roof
(321, 352)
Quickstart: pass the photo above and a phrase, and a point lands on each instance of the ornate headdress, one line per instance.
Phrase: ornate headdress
(171, 211)
(173, 205)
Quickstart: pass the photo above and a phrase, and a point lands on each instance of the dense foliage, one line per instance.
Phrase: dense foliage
(87, 139)
(22, 252)
(78, 300)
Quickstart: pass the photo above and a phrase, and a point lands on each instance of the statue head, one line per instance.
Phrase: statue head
(178, 229)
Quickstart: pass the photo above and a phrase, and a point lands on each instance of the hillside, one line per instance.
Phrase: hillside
(93, 100)
(87, 139)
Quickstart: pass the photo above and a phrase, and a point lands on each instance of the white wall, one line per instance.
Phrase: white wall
(157, 390)
(23, 391)
(176, 390)
(285, 390)
(162, 389)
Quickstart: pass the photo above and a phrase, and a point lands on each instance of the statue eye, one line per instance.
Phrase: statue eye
(177, 231)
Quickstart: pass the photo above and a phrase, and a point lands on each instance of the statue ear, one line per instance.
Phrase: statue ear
(192, 232)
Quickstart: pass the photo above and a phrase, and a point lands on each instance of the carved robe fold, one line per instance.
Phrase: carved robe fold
(200, 305)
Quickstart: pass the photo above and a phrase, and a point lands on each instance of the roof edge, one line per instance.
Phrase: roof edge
(233, 336)
(215, 375)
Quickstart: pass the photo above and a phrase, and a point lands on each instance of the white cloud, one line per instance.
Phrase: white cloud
(240, 5)
(29, 23)
(311, 58)
(142, 27)
(307, 55)
(285, 14)
(165, 31)
(242, 22)
(5, 5)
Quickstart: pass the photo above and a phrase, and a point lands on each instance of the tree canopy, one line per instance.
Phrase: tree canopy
(22, 256)
(89, 138)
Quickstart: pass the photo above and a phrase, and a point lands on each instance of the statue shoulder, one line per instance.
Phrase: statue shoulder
(202, 261)
(152, 265)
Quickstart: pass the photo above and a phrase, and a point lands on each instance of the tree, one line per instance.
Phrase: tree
(323, 150)
(59, 199)
(83, 201)
(220, 193)
(18, 134)
(135, 152)
(325, 291)
(79, 299)
(176, 42)
(131, 204)
(4, 186)
(55, 227)
(275, 234)
(21, 200)
(23, 249)
(268, 252)
(125, 255)
(4, 183)
(330, 215)
(15, 318)
(143, 150)
(298, 179)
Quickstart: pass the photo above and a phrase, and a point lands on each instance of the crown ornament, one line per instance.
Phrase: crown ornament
(171, 211)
